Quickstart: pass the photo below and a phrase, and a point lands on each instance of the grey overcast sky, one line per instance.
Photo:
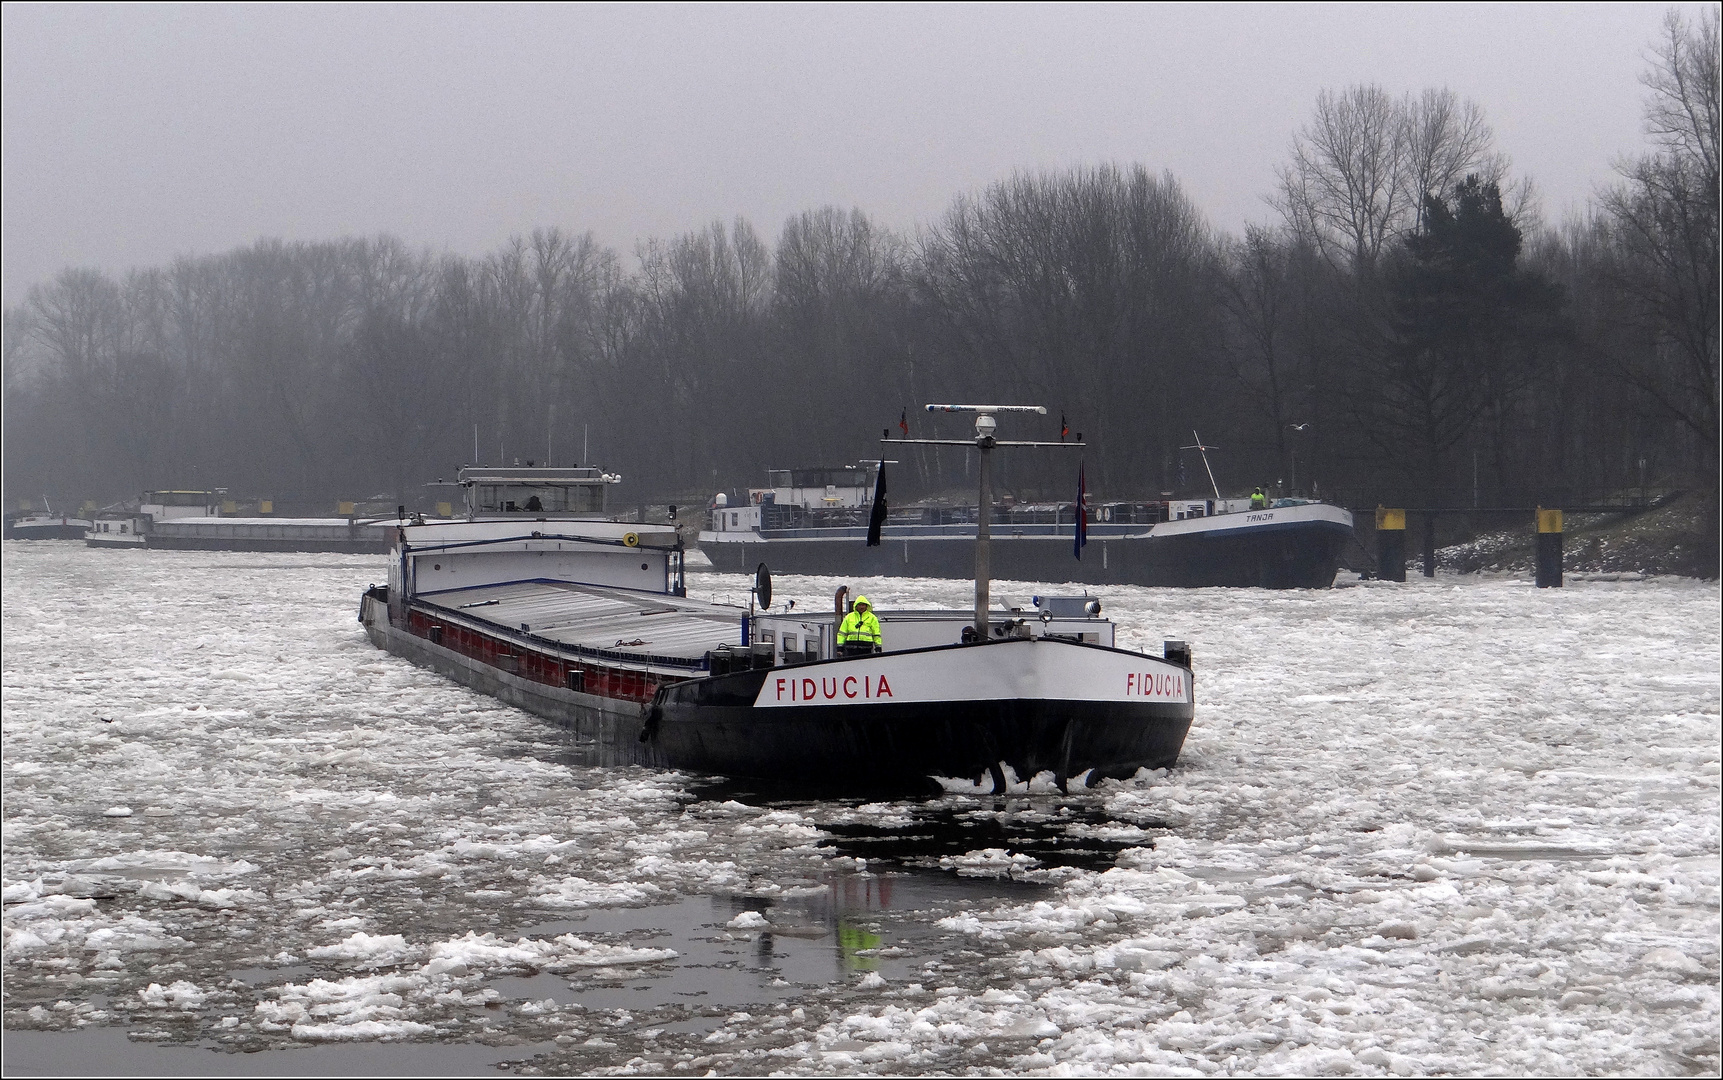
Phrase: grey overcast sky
(135, 133)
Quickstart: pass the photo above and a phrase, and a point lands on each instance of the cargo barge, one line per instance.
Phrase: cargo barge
(44, 525)
(815, 521)
(208, 521)
(1290, 544)
(587, 622)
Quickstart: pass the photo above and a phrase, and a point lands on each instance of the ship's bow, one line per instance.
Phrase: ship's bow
(895, 719)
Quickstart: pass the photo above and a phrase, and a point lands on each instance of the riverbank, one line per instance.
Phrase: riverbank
(1671, 540)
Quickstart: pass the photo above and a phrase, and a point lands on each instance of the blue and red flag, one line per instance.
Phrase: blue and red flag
(1081, 536)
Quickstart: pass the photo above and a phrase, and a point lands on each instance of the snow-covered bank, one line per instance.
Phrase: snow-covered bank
(1455, 826)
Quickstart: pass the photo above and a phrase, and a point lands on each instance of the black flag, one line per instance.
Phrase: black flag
(1080, 537)
(876, 520)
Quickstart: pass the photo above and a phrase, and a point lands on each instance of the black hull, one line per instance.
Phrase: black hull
(899, 746)
(45, 532)
(712, 725)
(606, 731)
(1302, 557)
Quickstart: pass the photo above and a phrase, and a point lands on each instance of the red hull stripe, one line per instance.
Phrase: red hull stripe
(621, 684)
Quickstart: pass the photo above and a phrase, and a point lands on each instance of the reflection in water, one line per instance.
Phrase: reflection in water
(857, 949)
(1057, 830)
(828, 932)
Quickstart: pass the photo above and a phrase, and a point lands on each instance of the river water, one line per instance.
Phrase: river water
(1452, 826)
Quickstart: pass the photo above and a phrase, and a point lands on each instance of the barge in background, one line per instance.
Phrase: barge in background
(587, 622)
(208, 520)
(814, 521)
(44, 524)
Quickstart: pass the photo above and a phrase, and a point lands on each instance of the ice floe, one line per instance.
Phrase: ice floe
(1441, 827)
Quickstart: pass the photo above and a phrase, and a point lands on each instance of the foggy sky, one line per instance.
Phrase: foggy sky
(132, 134)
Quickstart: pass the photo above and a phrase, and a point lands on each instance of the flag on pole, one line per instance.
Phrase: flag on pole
(1064, 428)
(1081, 535)
(876, 520)
(903, 423)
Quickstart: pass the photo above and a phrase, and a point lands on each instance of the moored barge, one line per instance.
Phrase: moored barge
(1196, 543)
(209, 521)
(44, 524)
(815, 521)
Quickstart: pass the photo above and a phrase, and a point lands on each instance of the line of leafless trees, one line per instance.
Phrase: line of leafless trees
(1407, 330)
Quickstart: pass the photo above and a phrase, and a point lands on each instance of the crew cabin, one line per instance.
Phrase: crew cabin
(795, 498)
(506, 491)
(167, 505)
(512, 536)
(842, 487)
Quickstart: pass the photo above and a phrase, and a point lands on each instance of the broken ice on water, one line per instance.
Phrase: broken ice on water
(1451, 826)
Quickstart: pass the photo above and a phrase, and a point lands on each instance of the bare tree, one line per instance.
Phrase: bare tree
(1258, 291)
(1363, 165)
(1682, 114)
(1344, 190)
(1665, 219)
(1447, 139)
(1088, 290)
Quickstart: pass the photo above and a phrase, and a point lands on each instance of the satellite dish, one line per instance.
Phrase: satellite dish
(763, 585)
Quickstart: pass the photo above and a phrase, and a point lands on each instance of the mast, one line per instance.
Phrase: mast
(984, 444)
(1200, 448)
(984, 428)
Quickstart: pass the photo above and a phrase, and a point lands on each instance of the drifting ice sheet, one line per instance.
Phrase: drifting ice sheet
(1461, 826)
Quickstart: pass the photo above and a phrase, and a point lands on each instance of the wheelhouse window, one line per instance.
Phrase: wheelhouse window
(538, 499)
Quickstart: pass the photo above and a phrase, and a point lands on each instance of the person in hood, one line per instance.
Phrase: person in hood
(859, 632)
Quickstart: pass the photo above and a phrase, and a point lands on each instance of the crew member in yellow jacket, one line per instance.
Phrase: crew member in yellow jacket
(859, 632)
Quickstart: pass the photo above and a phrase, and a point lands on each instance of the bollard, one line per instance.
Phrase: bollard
(1549, 549)
(1390, 544)
(1429, 544)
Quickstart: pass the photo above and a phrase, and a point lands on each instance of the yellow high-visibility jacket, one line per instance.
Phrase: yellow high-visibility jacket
(860, 628)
